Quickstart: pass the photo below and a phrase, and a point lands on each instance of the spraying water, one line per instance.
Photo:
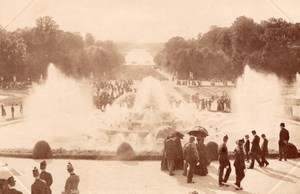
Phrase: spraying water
(60, 107)
(257, 100)
(151, 94)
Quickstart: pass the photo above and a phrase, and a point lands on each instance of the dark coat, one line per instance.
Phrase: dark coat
(239, 161)
(255, 149)
(283, 136)
(170, 149)
(46, 176)
(39, 187)
(190, 153)
(72, 183)
(223, 155)
(264, 147)
(247, 145)
(14, 191)
(179, 148)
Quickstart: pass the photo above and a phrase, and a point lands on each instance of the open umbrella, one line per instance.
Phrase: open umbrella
(198, 131)
(179, 135)
(164, 132)
(5, 174)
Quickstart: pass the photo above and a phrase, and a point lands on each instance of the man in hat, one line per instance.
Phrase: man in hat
(71, 186)
(11, 186)
(247, 147)
(239, 164)
(255, 150)
(284, 138)
(191, 156)
(46, 176)
(39, 186)
(264, 151)
(224, 162)
(171, 153)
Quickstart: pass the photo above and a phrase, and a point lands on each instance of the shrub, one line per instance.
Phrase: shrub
(212, 150)
(125, 152)
(42, 150)
(291, 151)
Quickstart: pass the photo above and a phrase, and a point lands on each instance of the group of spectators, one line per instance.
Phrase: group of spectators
(176, 157)
(108, 91)
(15, 85)
(12, 110)
(223, 102)
(43, 181)
(194, 155)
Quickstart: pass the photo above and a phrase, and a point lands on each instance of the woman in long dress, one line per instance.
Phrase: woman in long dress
(201, 168)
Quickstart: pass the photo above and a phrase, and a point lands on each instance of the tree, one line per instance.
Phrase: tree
(89, 39)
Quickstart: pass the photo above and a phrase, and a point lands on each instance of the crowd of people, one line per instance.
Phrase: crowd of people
(15, 85)
(223, 103)
(43, 181)
(194, 156)
(108, 91)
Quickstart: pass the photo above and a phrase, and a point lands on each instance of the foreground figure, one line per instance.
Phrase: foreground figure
(224, 163)
(284, 138)
(170, 153)
(239, 164)
(264, 150)
(201, 169)
(247, 147)
(46, 176)
(11, 185)
(71, 186)
(39, 186)
(191, 157)
(255, 150)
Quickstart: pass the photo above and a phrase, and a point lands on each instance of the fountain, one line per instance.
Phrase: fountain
(61, 111)
(257, 100)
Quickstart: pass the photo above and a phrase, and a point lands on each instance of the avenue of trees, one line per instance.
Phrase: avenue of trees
(222, 53)
(26, 53)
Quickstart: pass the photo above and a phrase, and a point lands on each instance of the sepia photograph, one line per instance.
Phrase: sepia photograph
(149, 97)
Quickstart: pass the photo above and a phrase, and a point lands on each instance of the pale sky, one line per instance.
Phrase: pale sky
(143, 20)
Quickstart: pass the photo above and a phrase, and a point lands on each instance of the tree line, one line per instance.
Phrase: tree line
(26, 53)
(221, 53)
